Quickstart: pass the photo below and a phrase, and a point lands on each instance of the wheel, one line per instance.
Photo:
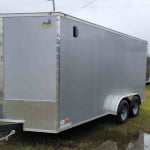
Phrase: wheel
(134, 106)
(123, 112)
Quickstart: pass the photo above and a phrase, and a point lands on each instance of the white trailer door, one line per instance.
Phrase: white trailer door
(30, 58)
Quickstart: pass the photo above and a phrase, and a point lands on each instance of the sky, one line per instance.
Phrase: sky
(128, 16)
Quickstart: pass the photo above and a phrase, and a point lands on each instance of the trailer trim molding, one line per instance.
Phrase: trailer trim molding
(58, 68)
(31, 100)
(10, 120)
(40, 130)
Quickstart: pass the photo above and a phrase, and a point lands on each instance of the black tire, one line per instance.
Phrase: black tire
(123, 112)
(134, 106)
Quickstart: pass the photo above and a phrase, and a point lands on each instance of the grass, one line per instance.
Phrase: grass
(87, 136)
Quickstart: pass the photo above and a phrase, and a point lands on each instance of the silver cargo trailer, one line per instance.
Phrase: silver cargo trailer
(59, 72)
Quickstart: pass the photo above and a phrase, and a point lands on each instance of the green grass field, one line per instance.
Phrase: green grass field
(84, 137)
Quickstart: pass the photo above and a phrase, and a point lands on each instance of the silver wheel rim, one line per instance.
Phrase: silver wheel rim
(135, 108)
(124, 113)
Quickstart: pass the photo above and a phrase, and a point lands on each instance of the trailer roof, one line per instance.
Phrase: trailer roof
(69, 17)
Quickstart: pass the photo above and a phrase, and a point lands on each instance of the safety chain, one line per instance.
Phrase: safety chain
(7, 136)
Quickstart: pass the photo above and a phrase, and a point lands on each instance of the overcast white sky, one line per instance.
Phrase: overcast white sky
(127, 16)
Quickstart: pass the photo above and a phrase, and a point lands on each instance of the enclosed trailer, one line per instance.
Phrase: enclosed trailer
(60, 71)
(148, 70)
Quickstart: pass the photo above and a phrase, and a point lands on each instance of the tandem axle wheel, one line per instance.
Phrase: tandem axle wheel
(126, 109)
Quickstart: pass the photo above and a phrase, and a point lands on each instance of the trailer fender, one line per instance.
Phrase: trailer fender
(112, 102)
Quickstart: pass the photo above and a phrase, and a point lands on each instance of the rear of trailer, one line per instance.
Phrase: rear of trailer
(59, 71)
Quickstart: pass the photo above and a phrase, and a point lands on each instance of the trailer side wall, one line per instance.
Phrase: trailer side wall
(94, 65)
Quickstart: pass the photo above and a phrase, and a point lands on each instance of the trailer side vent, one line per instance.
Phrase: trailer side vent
(75, 31)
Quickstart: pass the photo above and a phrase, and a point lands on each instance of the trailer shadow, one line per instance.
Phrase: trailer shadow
(81, 131)
(93, 135)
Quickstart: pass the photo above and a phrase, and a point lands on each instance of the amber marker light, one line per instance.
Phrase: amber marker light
(67, 119)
